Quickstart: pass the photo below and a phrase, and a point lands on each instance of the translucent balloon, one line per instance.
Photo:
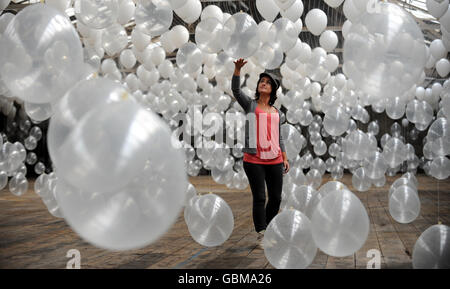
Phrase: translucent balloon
(403, 181)
(293, 140)
(300, 197)
(31, 158)
(288, 243)
(114, 39)
(153, 17)
(419, 112)
(30, 143)
(3, 179)
(404, 204)
(360, 181)
(36, 132)
(283, 33)
(357, 145)
(320, 148)
(396, 47)
(440, 168)
(314, 178)
(39, 168)
(123, 145)
(375, 165)
(189, 57)
(41, 54)
(97, 14)
(316, 21)
(340, 224)
(394, 152)
(432, 249)
(240, 36)
(18, 185)
(395, 107)
(210, 221)
(140, 212)
(208, 35)
(336, 121)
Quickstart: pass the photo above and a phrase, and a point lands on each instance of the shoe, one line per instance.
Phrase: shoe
(260, 239)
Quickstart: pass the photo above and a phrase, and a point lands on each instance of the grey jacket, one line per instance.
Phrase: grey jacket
(249, 106)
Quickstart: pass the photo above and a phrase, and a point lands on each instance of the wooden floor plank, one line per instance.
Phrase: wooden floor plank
(32, 238)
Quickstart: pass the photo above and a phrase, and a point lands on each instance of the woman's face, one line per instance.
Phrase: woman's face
(265, 86)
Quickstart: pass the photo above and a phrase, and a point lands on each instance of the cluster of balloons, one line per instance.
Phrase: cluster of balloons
(332, 219)
(15, 157)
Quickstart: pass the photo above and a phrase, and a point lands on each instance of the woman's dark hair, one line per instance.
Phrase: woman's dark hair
(273, 94)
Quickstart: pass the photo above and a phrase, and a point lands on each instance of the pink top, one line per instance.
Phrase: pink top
(267, 139)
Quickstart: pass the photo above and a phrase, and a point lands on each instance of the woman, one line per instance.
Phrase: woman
(266, 162)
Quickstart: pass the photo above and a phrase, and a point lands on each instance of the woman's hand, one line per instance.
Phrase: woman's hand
(239, 63)
(286, 166)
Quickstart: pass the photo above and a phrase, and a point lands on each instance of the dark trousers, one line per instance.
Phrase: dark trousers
(257, 174)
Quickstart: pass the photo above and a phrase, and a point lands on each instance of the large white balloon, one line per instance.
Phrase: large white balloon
(240, 36)
(41, 54)
(140, 213)
(432, 249)
(316, 21)
(153, 17)
(340, 224)
(210, 220)
(288, 242)
(437, 8)
(383, 61)
(190, 11)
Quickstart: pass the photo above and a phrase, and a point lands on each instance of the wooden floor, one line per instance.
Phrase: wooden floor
(31, 238)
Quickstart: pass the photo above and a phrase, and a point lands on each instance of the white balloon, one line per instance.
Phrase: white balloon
(4, 4)
(284, 4)
(443, 67)
(158, 55)
(126, 11)
(438, 49)
(140, 39)
(166, 42)
(212, 11)
(316, 21)
(268, 9)
(294, 12)
(437, 8)
(179, 35)
(127, 58)
(190, 12)
(445, 19)
(328, 40)
(334, 3)
(346, 28)
(61, 5)
(351, 11)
